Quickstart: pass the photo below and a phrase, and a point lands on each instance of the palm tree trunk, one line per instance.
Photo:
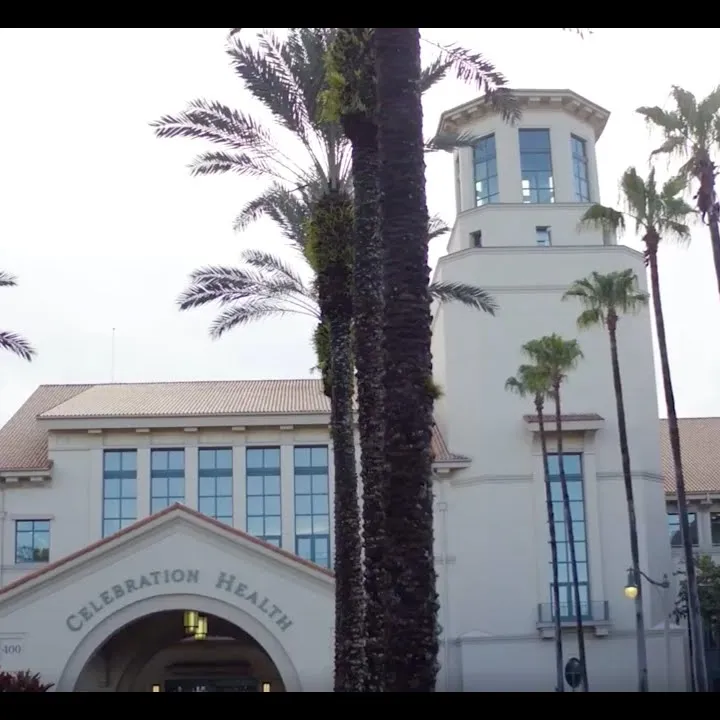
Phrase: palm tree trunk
(349, 600)
(713, 223)
(571, 542)
(330, 233)
(368, 311)
(694, 617)
(629, 496)
(412, 620)
(559, 665)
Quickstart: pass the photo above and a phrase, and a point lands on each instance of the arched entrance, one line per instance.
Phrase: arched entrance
(144, 647)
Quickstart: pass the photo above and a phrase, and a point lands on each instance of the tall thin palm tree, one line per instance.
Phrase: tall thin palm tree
(353, 99)
(661, 213)
(605, 299)
(534, 382)
(557, 357)
(692, 131)
(412, 615)
(10, 341)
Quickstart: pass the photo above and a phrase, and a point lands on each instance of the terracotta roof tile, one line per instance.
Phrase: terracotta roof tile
(700, 450)
(23, 440)
(23, 443)
(183, 399)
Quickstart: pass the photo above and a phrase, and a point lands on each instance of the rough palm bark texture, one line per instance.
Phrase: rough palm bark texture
(612, 320)
(412, 617)
(331, 231)
(709, 207)
(571, 542)
(694, 621)
(559, 666)
(356, 56)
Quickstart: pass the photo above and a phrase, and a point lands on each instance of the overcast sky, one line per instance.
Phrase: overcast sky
(102, 222)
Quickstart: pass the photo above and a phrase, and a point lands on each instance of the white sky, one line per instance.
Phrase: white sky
(102, 223)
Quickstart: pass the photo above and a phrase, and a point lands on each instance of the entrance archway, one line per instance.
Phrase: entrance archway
(155, 625)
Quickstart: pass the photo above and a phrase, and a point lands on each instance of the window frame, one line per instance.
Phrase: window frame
(313, 537)
(215, 473)
(489, 198)
(585, 163)
(264, 472)
(523, 173)
(120, 475)
(167, 474)
(32, 531)
(694, 529)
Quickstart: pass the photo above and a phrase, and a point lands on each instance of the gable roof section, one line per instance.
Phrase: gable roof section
(194, 399)
(700, 449)
(144, 526)
(23, 442)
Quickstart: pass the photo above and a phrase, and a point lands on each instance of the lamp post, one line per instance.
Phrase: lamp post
(663, 587)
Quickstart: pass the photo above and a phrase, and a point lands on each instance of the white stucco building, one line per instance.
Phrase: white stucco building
(123, 506)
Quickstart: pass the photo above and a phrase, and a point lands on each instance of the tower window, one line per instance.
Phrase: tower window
(486, 174)
(476, 239)
(581, 185)
(543, 236)
(536, 166)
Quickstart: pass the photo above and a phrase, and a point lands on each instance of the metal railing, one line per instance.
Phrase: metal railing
(596, 611)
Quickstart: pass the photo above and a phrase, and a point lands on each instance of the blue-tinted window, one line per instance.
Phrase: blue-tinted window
(264, 510)
(119, 490)
(674, 529)
(167, 478)
(312, 504)
(536, 166)
(580, 169)
(572, 464)
(215, 491)
(543, 236)
(32, 541)
(486, 173)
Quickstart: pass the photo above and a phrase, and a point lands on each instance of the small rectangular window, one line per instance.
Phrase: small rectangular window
(715, 528)
(263, 495)
(674, 529)
(32, 541)
(476, 238)
(543, 236)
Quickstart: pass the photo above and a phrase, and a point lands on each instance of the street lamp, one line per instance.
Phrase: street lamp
(663, 587)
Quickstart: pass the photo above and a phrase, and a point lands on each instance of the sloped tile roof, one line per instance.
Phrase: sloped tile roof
(23, 443)
(23, 440)
(700, 451)
(193, 399)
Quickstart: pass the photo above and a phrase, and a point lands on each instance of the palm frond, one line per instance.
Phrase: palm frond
(668, 121)
(447, 142)
(215, 163)
(7, 280)
(14, 343)
(604, 218)
(272, 265)
(287, 209)
(468, 295)
(250, 311)
(473, 68)
(437, 227)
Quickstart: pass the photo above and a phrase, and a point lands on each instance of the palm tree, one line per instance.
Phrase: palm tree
(412, 616)
(661, 213)
(10, 341)
(692, 131)
(556, 357)
(605, 298)
(533, 381)
(288, 78)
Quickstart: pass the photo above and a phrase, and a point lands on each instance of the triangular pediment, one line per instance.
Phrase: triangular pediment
(169, 527)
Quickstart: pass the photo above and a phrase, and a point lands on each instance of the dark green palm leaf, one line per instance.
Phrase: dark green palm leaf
(287, 209)
(468, 295)
(14, 343)
(437, 227)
